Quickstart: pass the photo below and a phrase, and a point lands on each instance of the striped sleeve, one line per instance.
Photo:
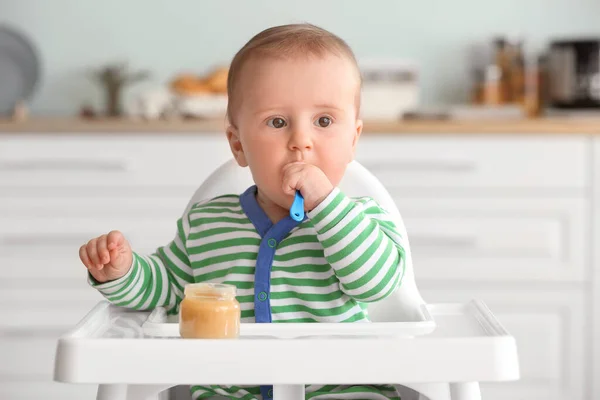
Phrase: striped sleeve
(153, 281)
(362, 245)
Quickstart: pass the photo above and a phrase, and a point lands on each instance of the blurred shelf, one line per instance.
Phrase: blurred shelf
(542, 125)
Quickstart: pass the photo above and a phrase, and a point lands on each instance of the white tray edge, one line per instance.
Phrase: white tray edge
(155, 326)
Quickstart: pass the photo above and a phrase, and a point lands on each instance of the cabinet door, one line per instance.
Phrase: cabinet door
(31, 321)
(48, 248)
(549, 327)
(45, 389)
(102, 160)
(40, 239)
(497, 239)
(45, 311)
(522, 163)
(42, 280)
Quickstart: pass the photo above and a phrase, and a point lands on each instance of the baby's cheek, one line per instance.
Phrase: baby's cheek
(335, 172)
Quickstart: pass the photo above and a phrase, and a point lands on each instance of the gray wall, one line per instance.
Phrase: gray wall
(178, 35)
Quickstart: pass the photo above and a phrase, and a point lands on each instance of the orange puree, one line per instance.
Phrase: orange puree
(209, 311)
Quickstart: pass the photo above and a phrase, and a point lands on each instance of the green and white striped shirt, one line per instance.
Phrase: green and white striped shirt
(345, 253)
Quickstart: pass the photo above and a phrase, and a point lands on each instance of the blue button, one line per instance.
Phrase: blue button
(262, 296)
(272, 243)
(270, 393)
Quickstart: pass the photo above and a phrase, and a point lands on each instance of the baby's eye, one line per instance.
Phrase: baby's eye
(323, 122)
(276, 123)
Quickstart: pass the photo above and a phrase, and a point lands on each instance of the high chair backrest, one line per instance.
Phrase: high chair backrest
(404, 303)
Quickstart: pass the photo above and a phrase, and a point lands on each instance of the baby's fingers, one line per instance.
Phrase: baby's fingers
(291, 182)
(293, 167)
(92, 253)
(85, 259)
(115, 239)
(103, 255)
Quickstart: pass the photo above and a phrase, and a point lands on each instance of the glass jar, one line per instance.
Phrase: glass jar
(209, 311)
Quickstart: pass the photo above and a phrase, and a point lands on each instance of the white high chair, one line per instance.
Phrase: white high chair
(468, 345)
(358, 181)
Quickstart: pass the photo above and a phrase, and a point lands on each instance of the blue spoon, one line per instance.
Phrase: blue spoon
(297, 210)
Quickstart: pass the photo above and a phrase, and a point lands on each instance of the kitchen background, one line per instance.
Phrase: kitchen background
(489, 147)
(167, 38)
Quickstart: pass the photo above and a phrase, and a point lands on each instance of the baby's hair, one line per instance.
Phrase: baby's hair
(285, 42)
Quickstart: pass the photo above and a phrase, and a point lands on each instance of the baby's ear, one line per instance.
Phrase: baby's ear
(359, 128)
(235, 145)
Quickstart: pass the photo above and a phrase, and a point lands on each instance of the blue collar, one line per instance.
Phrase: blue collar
(261, 221)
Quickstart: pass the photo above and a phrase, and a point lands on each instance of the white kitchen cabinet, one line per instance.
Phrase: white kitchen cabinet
(32, 389)
(53, 242)
(504, 218)
(498, 239)
(40, 238)
(57, 192)
(477, 162)
(507, 219)
(550, 329)
(91, 161)
(23, 367)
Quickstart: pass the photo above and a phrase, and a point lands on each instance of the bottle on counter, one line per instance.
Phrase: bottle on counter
(478, 59)
(493, 92)
(502, 60)
(517, 71)
(496, 77)
(534, 87)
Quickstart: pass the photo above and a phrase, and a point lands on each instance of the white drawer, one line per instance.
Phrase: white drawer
(48, 247)
(42, 323)
(27, 357)
(498, 239)
(44, 312)
(480, 162)
(156, 203)
(109, 160)
(549, 327)
(45, 389)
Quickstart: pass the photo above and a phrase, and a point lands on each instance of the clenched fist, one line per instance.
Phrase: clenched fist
(311, 181)
(107, 257)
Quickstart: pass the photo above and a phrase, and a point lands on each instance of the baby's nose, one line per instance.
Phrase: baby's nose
(300, 141)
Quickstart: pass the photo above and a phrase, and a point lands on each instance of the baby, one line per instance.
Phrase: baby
(294, 96)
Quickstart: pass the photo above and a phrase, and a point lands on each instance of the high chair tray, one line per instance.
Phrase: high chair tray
(109, 346)
(159, 324)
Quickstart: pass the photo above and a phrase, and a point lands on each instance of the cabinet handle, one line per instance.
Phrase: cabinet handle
(50, 239)
(65, 165)
(422, 166)
(462, 242)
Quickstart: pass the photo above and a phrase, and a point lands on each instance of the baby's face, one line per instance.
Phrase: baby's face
(296, 110)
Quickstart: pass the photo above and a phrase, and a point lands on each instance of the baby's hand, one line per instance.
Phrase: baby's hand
(107, 257)
(312, 183)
